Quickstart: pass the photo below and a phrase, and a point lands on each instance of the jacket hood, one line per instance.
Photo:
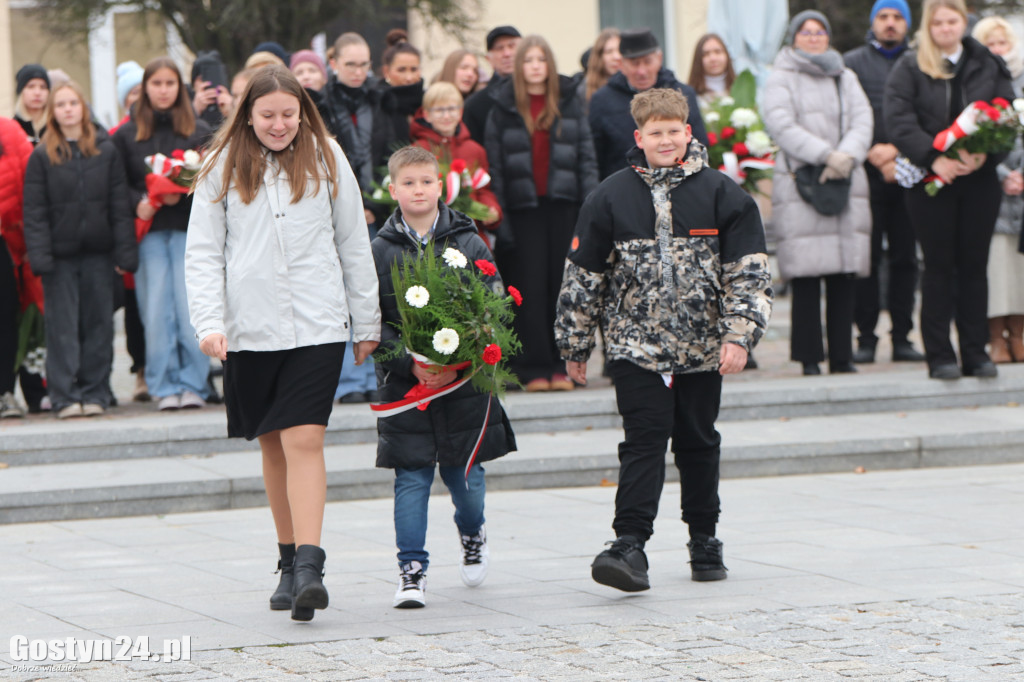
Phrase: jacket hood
(419, 129)
(696, 159)
(449, 223)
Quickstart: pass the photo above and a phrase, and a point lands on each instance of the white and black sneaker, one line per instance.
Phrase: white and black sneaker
(412, 587)
(474, 558)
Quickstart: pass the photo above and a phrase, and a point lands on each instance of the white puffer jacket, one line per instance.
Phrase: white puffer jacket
(273, 275)
(801, 113)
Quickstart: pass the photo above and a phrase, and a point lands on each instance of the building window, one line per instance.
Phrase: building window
(626, 14)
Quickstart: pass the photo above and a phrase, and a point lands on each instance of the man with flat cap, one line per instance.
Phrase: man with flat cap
(502, 42)
(642, 69)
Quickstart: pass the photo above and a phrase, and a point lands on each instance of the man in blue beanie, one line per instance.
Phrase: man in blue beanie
(872, 62)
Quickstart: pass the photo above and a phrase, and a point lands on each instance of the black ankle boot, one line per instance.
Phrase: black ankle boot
(706, 558)
(281, 600)
(308, 591)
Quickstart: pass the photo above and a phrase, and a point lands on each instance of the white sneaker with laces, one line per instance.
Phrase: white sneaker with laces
(412, 587)
(9, 407)
(475, 558)
(169, 402)
(72, 410)
(190, 400)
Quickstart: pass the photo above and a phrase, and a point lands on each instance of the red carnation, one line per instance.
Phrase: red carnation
(740, 149)
(993, 113)
(492, 354)
(486, 267)
(712, 138)
(516, 296)
(458, 165)
(178, 154)
(1001, 103)
(727, 132)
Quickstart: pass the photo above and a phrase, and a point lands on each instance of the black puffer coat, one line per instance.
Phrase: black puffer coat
(164, 140)
(918, 107)
(572, 168)
(78, 207)
(446, 431)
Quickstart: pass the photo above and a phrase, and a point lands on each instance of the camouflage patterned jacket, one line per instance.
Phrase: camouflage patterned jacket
(669, 286)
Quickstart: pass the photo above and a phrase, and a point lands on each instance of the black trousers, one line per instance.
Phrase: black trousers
(32, 385)
(135, 335)
(651, 414)
(534, 265)
(805, 343)
(889, 218)
(79, 330)
(955, 230)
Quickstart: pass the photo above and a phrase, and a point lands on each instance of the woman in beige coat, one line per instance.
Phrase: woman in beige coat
(816, 111)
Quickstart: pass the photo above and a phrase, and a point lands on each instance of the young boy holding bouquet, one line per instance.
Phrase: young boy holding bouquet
(669, 258)
(444, 434)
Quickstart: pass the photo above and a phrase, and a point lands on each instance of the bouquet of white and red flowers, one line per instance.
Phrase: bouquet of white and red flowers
(981, 128)
(737, 142)
(460, 181)
(451, 316)
(168, 175)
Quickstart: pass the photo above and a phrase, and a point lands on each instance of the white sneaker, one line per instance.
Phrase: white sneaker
(169, 402)
(190, 400)
(72, 410)
(92, 410)
(474, 558)
(412, 587)
(9, 407)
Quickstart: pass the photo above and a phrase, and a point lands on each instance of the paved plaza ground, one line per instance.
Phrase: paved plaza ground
(899, 575)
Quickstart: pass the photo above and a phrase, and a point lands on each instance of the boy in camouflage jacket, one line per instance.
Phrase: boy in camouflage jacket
(669, 259)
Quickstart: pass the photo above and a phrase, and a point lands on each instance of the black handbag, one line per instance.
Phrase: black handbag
(827, 198)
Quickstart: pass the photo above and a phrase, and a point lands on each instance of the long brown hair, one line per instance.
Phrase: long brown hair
(245, 158)
(451, 65)
(58, 149)
(698, 80)
(929, 57)
(550, 112)
(596, 75)
(183, 119)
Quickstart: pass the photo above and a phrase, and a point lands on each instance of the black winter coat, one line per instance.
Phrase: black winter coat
(478, 107)
(78, 207)
(612, 125)
(446, 431)
(164, 140)
(365, 142)
(872, 69)
(399, 103)
(572, 167)
(918, 107)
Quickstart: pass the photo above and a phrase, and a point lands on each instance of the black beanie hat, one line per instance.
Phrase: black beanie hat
(29, 72)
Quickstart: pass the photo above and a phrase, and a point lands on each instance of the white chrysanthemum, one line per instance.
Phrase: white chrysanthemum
(758, 143)
(1018, 104)
(712, 117)
(192, 158)
(417, 296)
(446, 340)
(454, 259)
(743, 118)
(726, 101)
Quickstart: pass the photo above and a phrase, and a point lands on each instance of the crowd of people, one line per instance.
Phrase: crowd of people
(267, 266)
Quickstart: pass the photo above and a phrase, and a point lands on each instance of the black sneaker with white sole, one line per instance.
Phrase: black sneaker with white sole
(622, 566)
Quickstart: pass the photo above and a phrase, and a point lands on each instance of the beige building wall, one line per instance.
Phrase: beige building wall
(571, 26)
(7, 84)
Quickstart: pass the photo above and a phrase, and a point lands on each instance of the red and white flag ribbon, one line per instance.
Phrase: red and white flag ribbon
(966, 124)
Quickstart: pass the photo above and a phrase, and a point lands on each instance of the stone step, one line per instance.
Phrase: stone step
(751, 447)
(202, 432)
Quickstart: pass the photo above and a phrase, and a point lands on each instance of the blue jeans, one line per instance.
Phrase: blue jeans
(174, 362)
(412, 493)
(355, 378)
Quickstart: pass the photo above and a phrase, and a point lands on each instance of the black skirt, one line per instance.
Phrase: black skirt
(266, 391)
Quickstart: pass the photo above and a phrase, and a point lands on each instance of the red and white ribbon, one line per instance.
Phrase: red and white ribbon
(731, 167)
(453, 184)
(965, 124)
(479, 179)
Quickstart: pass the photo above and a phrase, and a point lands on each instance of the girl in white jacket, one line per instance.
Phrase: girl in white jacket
(275, 267)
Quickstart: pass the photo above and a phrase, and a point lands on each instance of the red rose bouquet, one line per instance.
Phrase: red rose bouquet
(168, 175)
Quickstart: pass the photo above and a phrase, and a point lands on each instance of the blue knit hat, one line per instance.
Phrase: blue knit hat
(129, 74)
(900, 6)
